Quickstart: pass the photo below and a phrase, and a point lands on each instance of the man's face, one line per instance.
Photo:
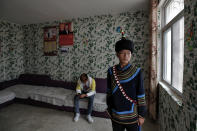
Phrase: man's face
(66, 27)
(124, 56)
(61, 27)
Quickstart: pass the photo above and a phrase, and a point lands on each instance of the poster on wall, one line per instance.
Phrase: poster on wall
(50, 43)
(65, 34)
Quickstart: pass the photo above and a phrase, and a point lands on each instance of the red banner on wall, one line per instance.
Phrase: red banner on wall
(65, 34)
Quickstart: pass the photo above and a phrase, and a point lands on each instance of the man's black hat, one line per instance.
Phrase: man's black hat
(124, 44)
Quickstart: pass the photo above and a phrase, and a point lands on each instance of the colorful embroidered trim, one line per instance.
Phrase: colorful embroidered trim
(120, 87)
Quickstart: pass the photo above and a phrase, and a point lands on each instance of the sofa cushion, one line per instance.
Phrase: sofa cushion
(9, 83)
(6, 96)
(99, 102)
(63, 84)
(45, 80)
(33, 79)
(101, 85)
(56, 96)
(52, 95)
(23, 91)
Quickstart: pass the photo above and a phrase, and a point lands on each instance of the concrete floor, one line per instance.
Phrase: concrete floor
(20, 117)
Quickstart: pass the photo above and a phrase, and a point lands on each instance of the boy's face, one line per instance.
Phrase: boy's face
(84, 80)
(124, 56)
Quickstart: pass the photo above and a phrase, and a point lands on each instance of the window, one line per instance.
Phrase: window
(172, 32)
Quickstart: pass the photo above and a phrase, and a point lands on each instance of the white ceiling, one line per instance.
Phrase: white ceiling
(37, 11)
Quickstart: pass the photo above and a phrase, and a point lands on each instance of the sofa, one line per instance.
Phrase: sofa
(41, 90)
(6, 96)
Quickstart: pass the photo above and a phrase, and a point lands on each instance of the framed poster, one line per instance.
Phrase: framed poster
(50, 41)
(65, 34)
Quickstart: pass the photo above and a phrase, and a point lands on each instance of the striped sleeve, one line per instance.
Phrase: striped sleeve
(141, 102)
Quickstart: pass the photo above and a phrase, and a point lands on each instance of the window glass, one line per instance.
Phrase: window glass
(178, 54)
(167, 56)
(172, 9)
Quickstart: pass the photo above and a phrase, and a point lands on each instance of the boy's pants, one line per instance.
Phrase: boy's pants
(90, 103)
(128, 127)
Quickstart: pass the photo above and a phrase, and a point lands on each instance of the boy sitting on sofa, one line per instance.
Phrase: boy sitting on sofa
(86, 88)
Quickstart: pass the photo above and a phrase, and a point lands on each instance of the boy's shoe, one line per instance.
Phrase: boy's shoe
(76, 118)
(90, 119)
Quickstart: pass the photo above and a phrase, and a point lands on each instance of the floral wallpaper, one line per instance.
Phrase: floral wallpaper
(93, 49)
(172, 116)
(11, 51)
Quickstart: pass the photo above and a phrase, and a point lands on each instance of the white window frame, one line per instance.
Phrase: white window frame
(161, 31)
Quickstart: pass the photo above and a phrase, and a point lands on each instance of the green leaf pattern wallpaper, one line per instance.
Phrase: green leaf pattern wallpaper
(11, 51)
(93, 49)
(173, 117)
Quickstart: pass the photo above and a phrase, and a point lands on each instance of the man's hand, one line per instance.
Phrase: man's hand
(140, 121)
(83, 95)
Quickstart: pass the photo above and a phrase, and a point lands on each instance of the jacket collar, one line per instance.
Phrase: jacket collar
(124, 68)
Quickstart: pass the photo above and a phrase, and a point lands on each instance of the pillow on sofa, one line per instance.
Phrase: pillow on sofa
(9, 83)
(63, 84)
(101, 85)
(34, 79)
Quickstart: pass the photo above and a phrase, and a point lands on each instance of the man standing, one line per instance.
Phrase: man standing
(86, 88)
(125, 91)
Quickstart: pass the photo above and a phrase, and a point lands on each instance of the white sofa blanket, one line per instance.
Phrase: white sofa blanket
(6, 96)
(56, 96)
